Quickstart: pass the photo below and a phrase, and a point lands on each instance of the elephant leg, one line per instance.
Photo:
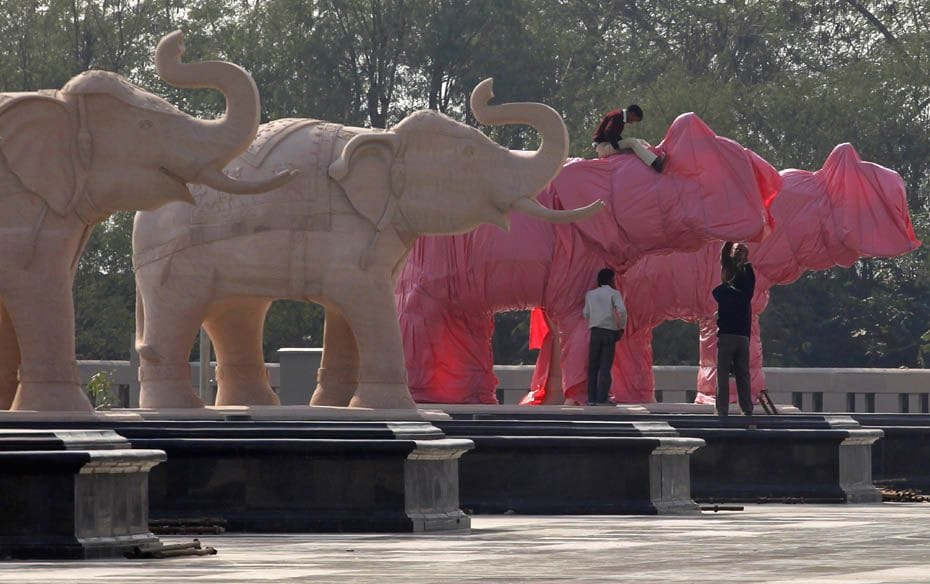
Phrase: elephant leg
(554, 394)
(171, 324)
(9, 360)
(382, 376)
(43, 319)
(236, 326)
(634, 381)
(707, 362)
(337, 378)
(575, 341)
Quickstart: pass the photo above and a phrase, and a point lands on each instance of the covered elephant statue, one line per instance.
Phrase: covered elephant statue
(338, 236)
(847, 210)
(71, 157)
(452, 285)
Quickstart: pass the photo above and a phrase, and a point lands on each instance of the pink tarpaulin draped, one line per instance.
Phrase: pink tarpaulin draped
(847, 210)
(712, 188)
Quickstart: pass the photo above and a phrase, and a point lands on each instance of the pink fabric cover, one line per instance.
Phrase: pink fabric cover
(451, 286)
(847, 210)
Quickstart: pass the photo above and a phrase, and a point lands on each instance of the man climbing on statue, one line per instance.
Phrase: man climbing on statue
(609, 140)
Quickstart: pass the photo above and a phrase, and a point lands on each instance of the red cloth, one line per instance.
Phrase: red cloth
(847, 210)
(451, 286)
(539, 328)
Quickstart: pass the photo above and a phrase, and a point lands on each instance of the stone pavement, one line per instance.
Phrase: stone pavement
(764, 544)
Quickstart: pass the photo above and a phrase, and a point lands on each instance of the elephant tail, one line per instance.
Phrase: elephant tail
(145, 352)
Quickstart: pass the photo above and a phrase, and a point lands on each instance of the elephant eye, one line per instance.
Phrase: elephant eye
(145, 124)
(469, 150)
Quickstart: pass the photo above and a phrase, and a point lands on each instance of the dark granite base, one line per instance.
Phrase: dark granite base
(61, 501)
(338, 475)
(565, 467)
(306, 476)
(797, 458)
(899, 459)
(805, 466)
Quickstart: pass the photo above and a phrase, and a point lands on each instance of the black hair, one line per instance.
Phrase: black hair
(634, 109)
(605, 277)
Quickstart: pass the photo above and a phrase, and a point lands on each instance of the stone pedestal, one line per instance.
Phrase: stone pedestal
(797, 458)
(899, 459)
(570, 467)
(790, 465)
(306, 476)
(69, 494)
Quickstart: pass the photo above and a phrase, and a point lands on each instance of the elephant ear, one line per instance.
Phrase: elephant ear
(36, 144)
(365, 170)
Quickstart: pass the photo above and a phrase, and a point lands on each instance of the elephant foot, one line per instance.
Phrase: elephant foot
(8, 391)
(168, 394)
(246, 395)
(383, 396)
(244, 385)
(333, 394)
(167, 385)
(51, 397)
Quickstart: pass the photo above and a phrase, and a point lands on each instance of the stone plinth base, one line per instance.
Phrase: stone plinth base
(72, 494)
(791, 465)
(306, 476)
(811, 458)
(899, 459)
(294, 468)
(566, 467)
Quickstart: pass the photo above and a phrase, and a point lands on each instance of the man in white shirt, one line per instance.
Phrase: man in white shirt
(606, 314)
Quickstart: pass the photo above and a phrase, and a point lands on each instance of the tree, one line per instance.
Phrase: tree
(789, 79)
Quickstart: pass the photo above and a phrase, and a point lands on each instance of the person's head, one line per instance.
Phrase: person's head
(605, 277)
(634, 113)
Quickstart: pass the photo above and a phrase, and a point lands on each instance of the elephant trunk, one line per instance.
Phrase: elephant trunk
(231, 134)
(531, 171)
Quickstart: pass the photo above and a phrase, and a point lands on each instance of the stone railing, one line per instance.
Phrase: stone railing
(809, 389)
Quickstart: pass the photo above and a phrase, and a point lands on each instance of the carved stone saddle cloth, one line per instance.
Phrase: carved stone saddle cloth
(303, 204)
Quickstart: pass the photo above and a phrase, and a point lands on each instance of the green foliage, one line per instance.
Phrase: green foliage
(101, 392)
(104, 292)
(676, 343)
(789, 79)
(511, 342)
(292, 324)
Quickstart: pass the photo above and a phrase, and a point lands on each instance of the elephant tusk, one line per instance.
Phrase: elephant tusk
(533, 208)
(216, 179)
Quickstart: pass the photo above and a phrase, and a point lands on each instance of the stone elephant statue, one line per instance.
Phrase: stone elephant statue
(68, 159)
(452, 286)
(338, 237)
(847, 210)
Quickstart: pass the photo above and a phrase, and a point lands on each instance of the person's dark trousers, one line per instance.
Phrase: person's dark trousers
(733, 352)
(600, 359)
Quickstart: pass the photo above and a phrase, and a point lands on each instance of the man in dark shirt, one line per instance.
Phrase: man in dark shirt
(609, 140)
(734, 321)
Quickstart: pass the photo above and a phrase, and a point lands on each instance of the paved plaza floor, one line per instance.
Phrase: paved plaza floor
(764, 544)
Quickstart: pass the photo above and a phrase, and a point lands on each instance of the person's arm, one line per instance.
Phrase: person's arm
(587, 311)
(620, 310)
(726, 254)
